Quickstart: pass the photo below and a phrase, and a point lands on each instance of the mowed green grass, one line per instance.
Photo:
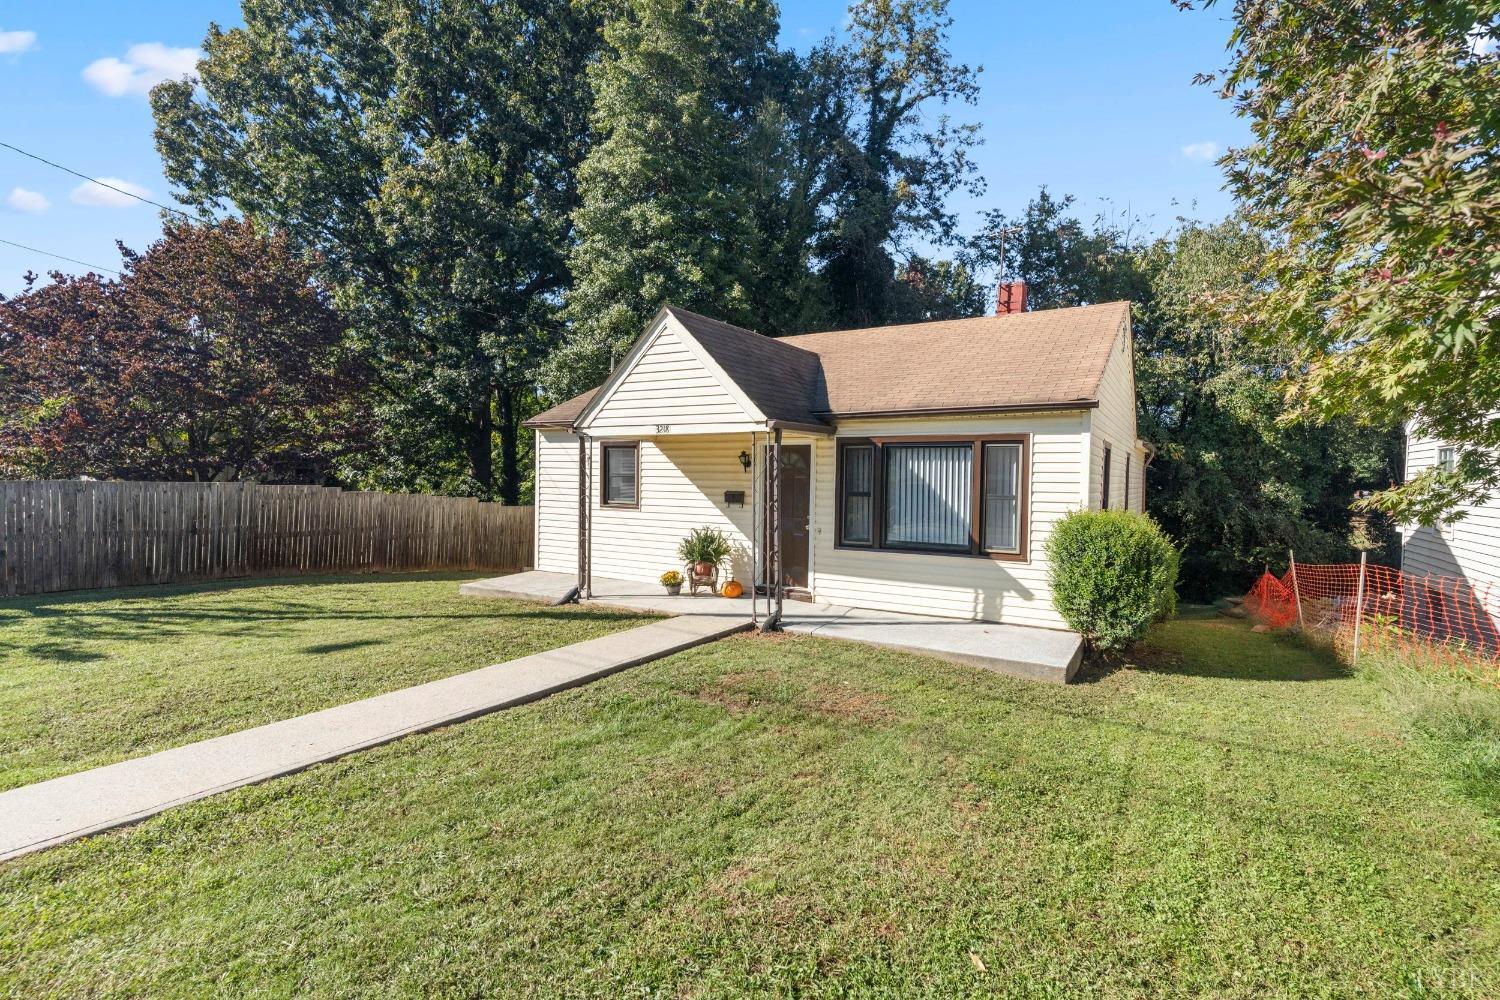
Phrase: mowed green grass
(88, 679)
(1235, 816)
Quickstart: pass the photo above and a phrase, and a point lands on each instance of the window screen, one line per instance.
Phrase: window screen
(859, 486)
(1002, 509)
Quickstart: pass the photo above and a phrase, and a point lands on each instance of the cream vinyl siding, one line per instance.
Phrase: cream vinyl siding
(1138, 481)
(1112, 425)
(556, 500)
(1468, 549)
(953, 586)
(667, 383)
(683, 481)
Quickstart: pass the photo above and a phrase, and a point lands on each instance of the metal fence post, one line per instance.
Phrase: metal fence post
(1296, 591)
(1359, 604)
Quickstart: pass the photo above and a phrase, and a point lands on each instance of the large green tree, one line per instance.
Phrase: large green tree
(428, 152)
(895, 154)
(684, 111)
(1064, 261)
(1234, 481)
(1375, 167)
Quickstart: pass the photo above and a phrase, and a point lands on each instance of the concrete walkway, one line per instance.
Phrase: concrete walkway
(53, 812)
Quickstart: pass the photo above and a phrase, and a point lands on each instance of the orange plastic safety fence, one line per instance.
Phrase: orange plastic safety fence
(1442, 613)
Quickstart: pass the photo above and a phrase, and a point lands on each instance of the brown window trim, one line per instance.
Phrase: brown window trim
(875, 493)
(1104, 481)
(976, 518)
(604, 501)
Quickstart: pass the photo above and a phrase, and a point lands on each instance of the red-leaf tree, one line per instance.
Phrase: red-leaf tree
(215, 356)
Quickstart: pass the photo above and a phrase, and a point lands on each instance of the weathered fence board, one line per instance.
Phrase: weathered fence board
(69, 535)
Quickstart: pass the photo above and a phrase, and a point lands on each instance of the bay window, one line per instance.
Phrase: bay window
(965, 496)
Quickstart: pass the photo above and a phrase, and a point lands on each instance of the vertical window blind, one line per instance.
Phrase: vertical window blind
(928, 494)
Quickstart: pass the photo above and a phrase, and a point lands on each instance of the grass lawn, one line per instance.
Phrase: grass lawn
(92, 678)
(1236, 816)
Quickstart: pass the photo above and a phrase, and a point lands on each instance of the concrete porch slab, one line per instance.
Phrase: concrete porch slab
(1038, 654)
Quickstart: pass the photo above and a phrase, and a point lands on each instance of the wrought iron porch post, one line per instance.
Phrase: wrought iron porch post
(585, 522)
(773, 497)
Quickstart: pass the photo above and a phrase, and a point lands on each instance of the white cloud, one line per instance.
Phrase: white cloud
(23, 200)
(89, 193)
(15, 42)
(1202, 152)
(143, 67)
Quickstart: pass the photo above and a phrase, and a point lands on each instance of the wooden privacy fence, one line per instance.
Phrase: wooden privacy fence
(67, 535)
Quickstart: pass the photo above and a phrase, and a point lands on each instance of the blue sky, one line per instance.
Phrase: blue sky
(1092, 98)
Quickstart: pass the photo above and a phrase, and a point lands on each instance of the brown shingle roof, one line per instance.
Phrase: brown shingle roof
(1045, 359)
(1051, 357)
(564, 413)
(779, 377)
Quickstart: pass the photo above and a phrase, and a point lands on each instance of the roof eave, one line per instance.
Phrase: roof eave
(930, 411)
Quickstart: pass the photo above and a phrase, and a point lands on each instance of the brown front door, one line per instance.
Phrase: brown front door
(796, 497)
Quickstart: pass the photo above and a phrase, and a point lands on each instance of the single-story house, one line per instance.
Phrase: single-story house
(921, 467)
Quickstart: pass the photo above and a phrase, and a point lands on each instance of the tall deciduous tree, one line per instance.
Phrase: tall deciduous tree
(1064, 262)
(1233, 481)
(897, 155)
(215, 356)
(670, 191)
(1376, 167)
(428, 151)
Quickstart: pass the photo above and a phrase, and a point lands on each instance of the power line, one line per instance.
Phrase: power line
(70, 260)
(95, 180)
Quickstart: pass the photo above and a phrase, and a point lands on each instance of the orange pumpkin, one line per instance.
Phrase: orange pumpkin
(732, 589)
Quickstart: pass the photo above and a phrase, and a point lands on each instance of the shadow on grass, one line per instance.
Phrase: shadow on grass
(342, 647)
(1239, 655)
(54, 625)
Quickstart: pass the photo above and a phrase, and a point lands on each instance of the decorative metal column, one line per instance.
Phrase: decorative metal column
(755, 565)
(773, 531)
(585, 526)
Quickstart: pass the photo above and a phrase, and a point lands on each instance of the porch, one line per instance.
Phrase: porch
(1020, 651)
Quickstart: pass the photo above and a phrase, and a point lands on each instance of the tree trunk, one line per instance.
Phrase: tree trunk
(510, 459)
(478, 444)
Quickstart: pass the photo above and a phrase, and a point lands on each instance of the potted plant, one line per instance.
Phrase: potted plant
(703, 551)
(672, 580)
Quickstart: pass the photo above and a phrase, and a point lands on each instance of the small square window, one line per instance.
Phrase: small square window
(1447, 459)
(621, 463)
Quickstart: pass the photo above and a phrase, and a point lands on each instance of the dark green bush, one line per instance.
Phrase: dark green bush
(1113, 574)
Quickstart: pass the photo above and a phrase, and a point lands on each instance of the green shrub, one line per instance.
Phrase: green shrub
(1113, 573)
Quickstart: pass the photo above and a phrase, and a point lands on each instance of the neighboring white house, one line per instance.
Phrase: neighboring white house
(923, 466)
(1469, 548)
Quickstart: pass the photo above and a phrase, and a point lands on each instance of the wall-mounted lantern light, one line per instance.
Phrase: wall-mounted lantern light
(745, 460)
